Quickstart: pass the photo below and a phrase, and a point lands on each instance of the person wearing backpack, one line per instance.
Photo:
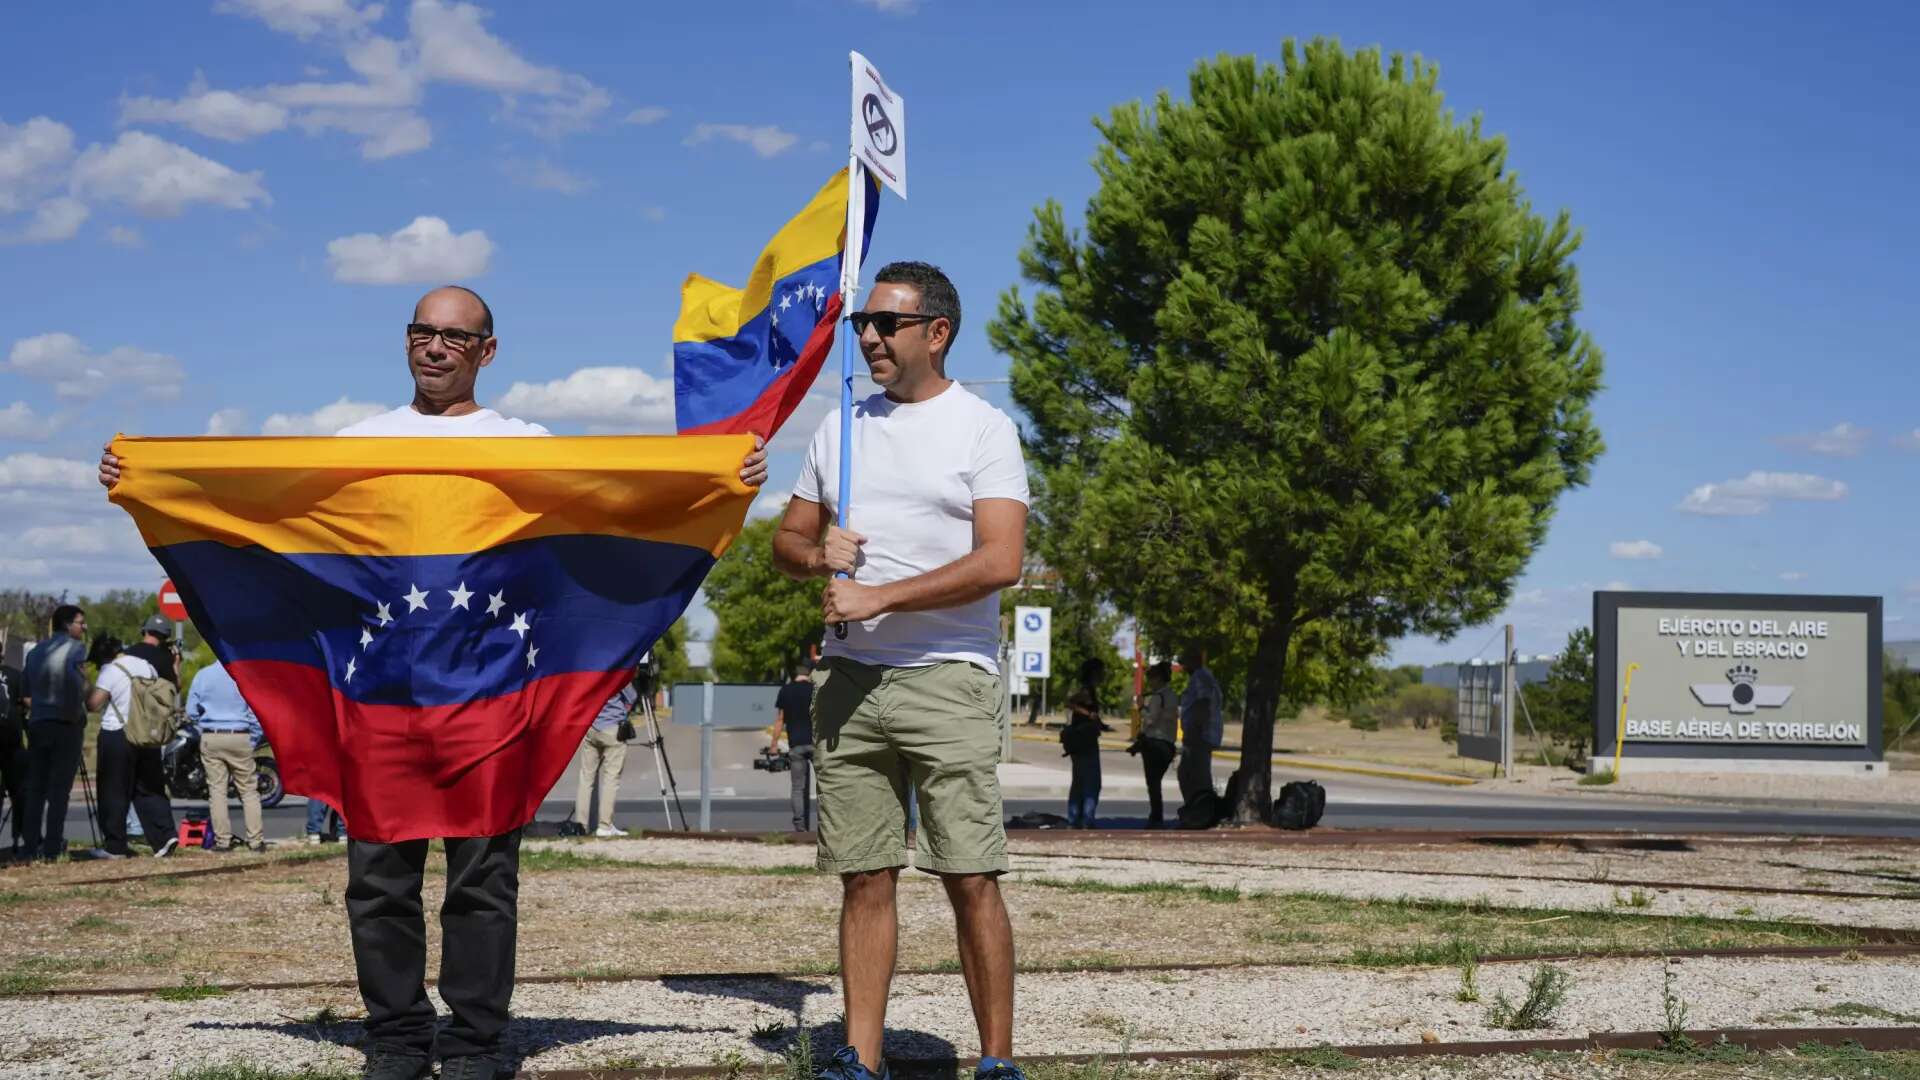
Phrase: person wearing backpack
(229, 734)
(136, 716)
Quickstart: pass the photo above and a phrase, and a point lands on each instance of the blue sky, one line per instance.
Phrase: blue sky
(224, 209)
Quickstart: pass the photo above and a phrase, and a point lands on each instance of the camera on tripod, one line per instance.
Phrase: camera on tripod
(773, 761)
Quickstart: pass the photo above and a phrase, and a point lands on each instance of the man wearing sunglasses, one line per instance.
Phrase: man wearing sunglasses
(449, 340)
(911, 700)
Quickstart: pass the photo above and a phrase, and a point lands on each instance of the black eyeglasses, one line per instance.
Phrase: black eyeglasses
(457, 339)
(888, 323)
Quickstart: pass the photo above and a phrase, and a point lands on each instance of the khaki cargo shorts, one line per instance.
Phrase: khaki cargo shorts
(878, 729)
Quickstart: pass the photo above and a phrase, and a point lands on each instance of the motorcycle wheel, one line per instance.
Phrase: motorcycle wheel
(272, 790)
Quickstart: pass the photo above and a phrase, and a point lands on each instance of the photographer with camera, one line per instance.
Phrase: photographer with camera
(793, 712)
(126, 770)
(157, 647)
(603, 755)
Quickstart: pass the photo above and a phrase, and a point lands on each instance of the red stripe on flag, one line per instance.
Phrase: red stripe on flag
(403, 772)
(769, 412)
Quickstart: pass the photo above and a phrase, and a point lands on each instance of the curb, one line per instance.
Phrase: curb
(1292, 762)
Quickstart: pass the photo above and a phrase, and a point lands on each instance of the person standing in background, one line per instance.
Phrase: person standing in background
(1159, 720)
(793, 711)
(124, 772)
(1081, 738)
(56, 729)
(603, 755)
(13, 755)
(1200, 727)
(229, 734)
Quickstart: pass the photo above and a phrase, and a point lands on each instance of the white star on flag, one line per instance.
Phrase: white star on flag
(496, 602)
(520, 625)
(416, 600)
(366, 637)
(349, 670)
(460, 596)
(786, 302)
(385, 615)
(531, 653)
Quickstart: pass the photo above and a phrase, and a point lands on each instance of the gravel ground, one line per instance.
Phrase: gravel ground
(699, 1022)
(1898, 789)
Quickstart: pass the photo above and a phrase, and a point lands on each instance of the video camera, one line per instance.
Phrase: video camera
(770, 761)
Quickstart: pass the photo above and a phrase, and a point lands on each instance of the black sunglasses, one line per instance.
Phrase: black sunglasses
(459, 340)
(888, 323)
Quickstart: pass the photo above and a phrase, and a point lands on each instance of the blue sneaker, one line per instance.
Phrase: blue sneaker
(993, 1068)
(845, 1065)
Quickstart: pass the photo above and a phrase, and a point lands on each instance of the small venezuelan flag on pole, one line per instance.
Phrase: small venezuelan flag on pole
(744, 358)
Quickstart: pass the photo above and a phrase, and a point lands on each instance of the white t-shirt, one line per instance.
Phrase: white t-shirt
(406, 421)
(116, 678)
(917, 471)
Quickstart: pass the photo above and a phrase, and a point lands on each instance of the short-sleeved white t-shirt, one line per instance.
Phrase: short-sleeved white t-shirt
(405, 421)
(917, 471)
(116, 678)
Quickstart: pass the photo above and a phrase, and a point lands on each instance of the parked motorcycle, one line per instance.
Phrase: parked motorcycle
(187, 778)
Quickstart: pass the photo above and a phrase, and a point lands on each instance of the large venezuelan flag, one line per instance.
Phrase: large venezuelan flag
(744, 358)
(427, 626)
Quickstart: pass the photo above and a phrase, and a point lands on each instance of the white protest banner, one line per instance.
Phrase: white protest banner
(879, 126)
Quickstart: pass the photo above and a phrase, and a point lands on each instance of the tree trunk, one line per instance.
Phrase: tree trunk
(1265, 676)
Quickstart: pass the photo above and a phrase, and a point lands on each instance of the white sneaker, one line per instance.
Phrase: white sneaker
(167, 848)
(607, 829)
(313, 838)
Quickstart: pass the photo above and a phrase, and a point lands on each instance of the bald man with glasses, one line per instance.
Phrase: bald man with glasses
(448, 342)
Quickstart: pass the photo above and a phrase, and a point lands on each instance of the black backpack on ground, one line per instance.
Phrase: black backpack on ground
(1300, 805)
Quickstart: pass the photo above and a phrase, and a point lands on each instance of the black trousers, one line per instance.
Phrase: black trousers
(126, 773)
(478, 923)
(1156, 755)
(13, 779)
(53, 756)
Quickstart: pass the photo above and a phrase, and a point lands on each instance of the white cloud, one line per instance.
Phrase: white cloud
(1634, 549)
(770, 503)
(40, 471)
(1793, 575)
(33, 160)
(55, 219)
(75, 372)
(227, 422)
(1841, 440)
(1757, 491)
(305, 18)
(326, 420)
(384, 133)
(387, 73)
(618, 398)
(425, 251)
(766, 140)
(655, 214)
(1908, 440)
(544, 175)
(19, 421)
(67, 539)
(122, 236)
(893, 7)
(454, 47)
(646, 114)
(1913, 590)
(161, 179)
(217, 114)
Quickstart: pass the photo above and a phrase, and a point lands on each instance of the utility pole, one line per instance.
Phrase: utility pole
(1506, 707)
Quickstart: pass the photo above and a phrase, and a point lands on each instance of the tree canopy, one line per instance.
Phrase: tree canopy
(1308, 377)
(767, 620)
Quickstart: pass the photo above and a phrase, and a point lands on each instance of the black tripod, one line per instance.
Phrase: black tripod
(86, 793)
(662, 768)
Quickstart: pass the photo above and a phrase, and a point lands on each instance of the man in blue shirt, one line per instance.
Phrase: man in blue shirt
(56, 729)
(1201, 724)
(229, 734)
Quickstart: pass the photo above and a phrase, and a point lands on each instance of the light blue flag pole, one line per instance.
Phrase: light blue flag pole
(849, 288)
(876, 143)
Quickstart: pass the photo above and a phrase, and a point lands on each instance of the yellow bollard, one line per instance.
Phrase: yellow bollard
(1620, 729)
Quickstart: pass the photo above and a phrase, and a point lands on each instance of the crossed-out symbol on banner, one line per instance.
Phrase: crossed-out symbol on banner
(879, 125)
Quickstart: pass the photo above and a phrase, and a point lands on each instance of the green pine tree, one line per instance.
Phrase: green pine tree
(1308, 377)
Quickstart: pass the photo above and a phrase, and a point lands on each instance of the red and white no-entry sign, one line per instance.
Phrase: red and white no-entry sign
(170, 604)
